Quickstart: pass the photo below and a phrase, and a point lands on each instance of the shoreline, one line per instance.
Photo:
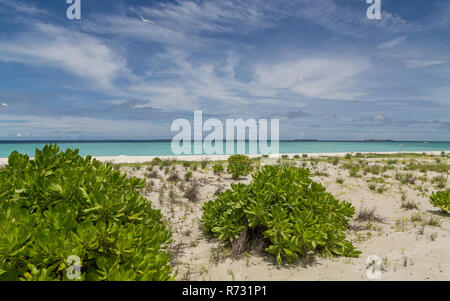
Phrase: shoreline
(122, 159)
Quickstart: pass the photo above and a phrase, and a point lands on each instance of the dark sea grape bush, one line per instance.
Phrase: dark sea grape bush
(295, 214)
(61, 204)
(441, 199)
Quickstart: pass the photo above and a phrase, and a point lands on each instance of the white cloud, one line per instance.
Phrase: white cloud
(380, 117)
(422, 63)
(23, 8)
(328, 78)
(183, 23)
(192, 86)
(392, 43)
(74, 52)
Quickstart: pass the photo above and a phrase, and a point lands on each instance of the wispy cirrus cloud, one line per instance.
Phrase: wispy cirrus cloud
(422, 63)
(76, 53)
(328, 78)
(392, 43)
(22, 7)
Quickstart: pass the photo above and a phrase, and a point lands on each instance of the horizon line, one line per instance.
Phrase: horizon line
(169, 140)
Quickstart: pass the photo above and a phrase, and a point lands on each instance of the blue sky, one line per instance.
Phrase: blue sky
(112, 76)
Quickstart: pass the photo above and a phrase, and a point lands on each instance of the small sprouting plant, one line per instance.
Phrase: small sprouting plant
(434, 222)
(440, 181)
(409, 205)
(353, 171)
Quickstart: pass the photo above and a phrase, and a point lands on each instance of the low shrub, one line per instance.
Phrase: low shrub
(441, 199)
(188, 175)
(218, 168)
(294, 214)
(61, 205)
(238, 165)
(156, 161)
(204, 163)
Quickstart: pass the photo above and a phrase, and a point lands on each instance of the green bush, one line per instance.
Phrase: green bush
(294, 214)
(188, 175)
(204, 164)
(441, 199)
(238, 165)
(156, 161)
(218, 168)
(60, 204)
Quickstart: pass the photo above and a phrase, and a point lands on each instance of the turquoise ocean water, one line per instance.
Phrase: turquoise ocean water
(164, 148)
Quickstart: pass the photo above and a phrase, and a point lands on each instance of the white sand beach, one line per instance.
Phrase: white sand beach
(142, 159)
(410, 236)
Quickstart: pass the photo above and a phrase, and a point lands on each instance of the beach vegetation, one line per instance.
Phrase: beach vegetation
(409, 205)
(353, 171)
(434, 221)
(416, 217)
(218, 168)
(368, 215)
(286, 211)
(440, 181)
(391, 161)
(153, 174)
(380, 189)
(174, 177)
(204, 163)
(441, 199)
(426, 167)
(321, 174)
(156, 161)
(238, 165)
(60, 204)
(407, 178)
(188, 175)
(192, 191)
